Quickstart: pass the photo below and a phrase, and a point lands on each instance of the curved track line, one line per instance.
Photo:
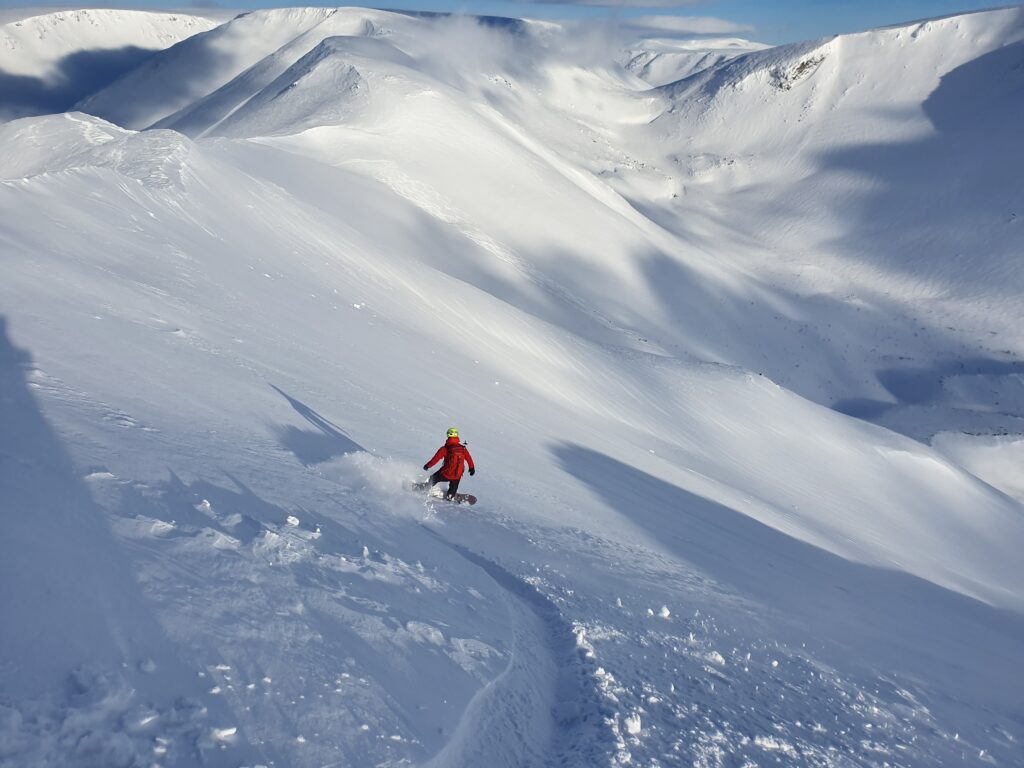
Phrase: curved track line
(544, 708)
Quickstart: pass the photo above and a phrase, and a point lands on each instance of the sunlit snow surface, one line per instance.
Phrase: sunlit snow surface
(738, 358)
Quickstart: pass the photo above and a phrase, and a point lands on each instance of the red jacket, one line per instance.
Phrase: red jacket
(454, 454)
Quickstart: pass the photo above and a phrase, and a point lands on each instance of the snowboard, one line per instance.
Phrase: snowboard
(460, 498)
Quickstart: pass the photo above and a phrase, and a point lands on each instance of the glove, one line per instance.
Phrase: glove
(472, 471)
(426, 467)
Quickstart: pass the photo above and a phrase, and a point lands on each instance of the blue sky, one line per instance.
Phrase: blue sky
(769, 21)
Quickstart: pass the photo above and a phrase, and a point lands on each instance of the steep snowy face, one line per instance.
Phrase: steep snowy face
(546, 352)
(879, 168)
(284, 106)
(50, 61)
(187, 73)
(253, 104)
(835, 113)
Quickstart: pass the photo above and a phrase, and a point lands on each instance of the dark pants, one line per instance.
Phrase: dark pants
(453, 485)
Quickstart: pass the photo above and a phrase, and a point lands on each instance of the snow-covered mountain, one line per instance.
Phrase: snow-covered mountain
(250, 284)
(851, 180)
(50, 60)
(663, 61)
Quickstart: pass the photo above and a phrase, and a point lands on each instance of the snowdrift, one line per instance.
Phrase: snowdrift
(231, 338)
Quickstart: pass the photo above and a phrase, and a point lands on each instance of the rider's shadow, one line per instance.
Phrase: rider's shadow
(318, 445)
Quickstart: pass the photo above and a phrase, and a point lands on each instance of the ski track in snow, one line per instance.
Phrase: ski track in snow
(590, 679)
(550, 676)
(698, 686)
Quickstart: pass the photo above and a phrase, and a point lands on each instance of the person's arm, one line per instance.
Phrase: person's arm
(469, 460)
(437, 457)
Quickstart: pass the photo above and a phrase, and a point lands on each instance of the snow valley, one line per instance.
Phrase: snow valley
(735, 334)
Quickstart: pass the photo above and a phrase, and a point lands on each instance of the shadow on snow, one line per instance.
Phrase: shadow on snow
(938, 203)
(323, 443)
(903, 620)
(78, 75)
(77, 629)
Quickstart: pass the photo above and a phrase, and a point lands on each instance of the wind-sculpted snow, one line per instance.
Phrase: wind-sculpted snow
(271, 104)
(662, 318)
(201, 64)
(292, 102)
(155, 159)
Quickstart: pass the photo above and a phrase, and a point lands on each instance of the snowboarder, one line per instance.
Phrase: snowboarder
(455, 455)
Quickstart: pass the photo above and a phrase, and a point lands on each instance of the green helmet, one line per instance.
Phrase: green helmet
(453, 432)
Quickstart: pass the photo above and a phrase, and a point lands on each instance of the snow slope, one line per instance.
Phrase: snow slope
(51, 60)
(895, 200)
(208, 61)
(660, 62)
(231, 339)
